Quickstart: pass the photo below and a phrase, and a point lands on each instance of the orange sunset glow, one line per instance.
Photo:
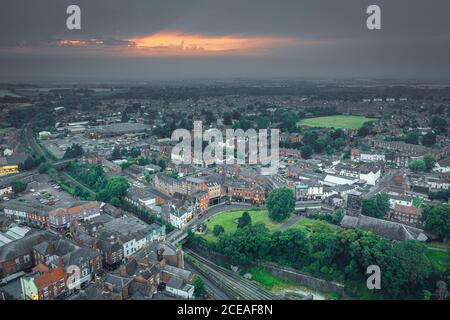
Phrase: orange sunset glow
(175, 43)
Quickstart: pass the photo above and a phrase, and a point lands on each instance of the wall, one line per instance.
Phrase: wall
(303, 279)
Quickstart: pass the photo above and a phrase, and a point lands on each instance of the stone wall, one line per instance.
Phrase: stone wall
(302, 278)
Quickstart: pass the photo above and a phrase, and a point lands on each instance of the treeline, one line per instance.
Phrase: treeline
(111, 190)
(339, 255)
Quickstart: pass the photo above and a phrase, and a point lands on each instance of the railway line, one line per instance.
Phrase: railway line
(232, 283)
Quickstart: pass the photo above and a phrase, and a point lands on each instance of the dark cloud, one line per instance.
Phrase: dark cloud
(414, 40)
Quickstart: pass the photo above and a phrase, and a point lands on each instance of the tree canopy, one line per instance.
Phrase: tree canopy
(280, 203)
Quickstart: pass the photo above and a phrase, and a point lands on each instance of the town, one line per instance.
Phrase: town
(94, 207)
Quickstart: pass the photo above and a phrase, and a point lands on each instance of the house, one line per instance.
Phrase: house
(133, 233)
(86, 262)
(177, 214)
(403, 200)
(370, 174)
(406, 214)
(62, 217)
(372, 157)
(44, 283)
(309, 190)
(18, 255)
(177, 287)
(244, 191)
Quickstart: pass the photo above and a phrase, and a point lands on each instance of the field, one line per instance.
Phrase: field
(228, 221)
(337, 122)
(440, 259)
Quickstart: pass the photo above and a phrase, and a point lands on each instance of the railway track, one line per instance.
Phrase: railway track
(231, 282)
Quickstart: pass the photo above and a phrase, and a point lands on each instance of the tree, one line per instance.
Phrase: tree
(306, 151)
(244, 220)
(376, 206)
(135, 152)
(44, 167)
(262, 122)
(74, 151)
(280, 203)
(117, 187)
(412, 138)
(243, 124)
(437, 220)
(429, 162)
(429, 139)
(18, 186)
(218, 230)
(162, 164)
(366, 129)
(417, 165)
(439, 124)
(246, 244)
(227, 119)
(199, 287)
(124, 116)
(116, 154)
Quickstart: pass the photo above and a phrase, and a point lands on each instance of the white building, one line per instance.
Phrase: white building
(331, 180)
(370, 176)
(372, 157)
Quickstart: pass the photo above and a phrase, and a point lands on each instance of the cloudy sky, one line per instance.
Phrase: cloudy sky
(173, 39)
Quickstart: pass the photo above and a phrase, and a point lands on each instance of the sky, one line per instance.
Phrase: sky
(182, 39)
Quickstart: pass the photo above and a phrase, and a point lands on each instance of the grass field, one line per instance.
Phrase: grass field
(228, 221)
(337, 122)
(440, 259)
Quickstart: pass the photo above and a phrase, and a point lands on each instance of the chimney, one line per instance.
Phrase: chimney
(61, 262)
(51, 248)
(122, 270)
(94, 244)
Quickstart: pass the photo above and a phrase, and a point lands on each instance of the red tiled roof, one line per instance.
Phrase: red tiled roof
(74, 209)
(49, 277)
(408, 209)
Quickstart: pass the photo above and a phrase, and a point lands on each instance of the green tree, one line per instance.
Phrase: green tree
(117, 187)
(18, 186)
(44, 167)
(74, 151)
(306, 151)
(116, 154)
(244, 220)
(417, 165)
(412, 138)
(429, 162)
(227, 119)
(437, 220)
(429, 139)
(280, 203)
(262, 122)
(199, 287)
(246, 244)
(377, 206)
(218, 230)
(439, 124)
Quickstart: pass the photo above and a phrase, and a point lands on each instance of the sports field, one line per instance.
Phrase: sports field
(337, 122)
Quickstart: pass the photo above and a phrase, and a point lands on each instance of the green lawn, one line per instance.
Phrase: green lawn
(228, 219)
(440, 259)
(337, 122)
